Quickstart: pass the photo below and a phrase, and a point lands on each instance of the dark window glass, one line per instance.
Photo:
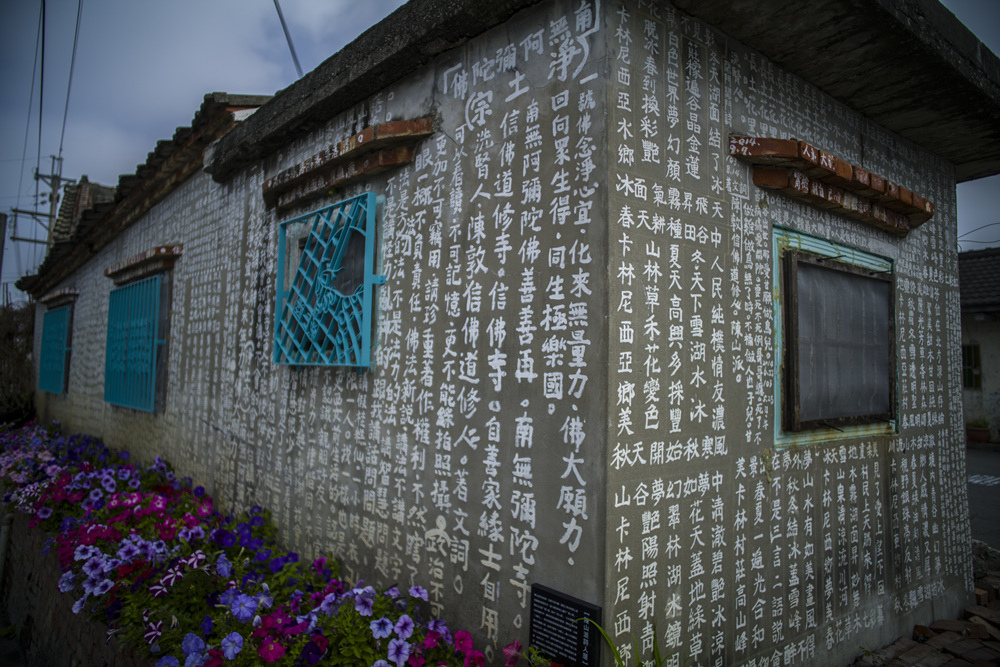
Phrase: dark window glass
(839, 352)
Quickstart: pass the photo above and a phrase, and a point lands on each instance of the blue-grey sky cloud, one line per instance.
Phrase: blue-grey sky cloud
(142, 69)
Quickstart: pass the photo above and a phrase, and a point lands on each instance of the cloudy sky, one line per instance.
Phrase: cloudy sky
(143, 67)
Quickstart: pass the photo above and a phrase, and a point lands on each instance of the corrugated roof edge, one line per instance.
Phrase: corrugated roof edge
(937, 84)
(400, 44)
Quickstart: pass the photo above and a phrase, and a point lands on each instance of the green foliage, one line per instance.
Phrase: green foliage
(17, 325)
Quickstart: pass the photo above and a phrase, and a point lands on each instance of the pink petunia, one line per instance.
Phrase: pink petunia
(474, 659)
(463, 641)
(512, 654)
(271, 651)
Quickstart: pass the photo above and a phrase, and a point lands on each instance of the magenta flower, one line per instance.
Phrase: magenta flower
(463, 641)
(271, 650)
(512, 654)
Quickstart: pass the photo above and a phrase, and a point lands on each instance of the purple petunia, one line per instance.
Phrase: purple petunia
(206, 625)
(244, 607)
(44, 513)
(67, 582)
(399, 651)
(128, 551)
(167, 661)
(329, 602)
(223, 537)
(103, 587)
(418, 592)
(264, 598)
(232, 644)
(192, 644)
(363, 604)
(404, 627)
(381, 628)
(89, 584)
(223, 567)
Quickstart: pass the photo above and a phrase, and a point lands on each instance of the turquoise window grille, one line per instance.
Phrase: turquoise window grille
(133, 344)
(324, 309)
(54, 358)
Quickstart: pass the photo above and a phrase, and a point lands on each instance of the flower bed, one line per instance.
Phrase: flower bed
(152, 558)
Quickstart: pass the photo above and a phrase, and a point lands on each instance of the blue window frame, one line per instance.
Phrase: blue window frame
(134, 344)
(53, 362)
(324, 308)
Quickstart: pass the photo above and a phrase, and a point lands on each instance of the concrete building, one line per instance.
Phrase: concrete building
(979, 282)
(645, 311)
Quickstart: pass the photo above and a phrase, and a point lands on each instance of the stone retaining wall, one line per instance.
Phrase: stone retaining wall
(47, 629)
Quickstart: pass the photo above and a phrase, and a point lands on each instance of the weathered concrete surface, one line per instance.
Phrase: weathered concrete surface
(403, 43)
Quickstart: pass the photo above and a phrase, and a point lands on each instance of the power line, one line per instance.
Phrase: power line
(31, 99)
(41, 98)
(992, 224)
(72, 64)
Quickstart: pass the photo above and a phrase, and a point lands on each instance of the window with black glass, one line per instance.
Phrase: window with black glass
(839, 354)
(971, 370)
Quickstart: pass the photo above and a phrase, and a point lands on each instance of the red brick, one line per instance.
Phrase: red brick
(766, 151)
(945, 638)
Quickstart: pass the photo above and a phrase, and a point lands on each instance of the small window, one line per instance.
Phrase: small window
(839, 349)
(53, 363)
(971, 369)
(135, 358)
(325, 290)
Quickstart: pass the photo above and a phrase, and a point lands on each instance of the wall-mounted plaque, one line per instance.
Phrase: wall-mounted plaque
(556, 630)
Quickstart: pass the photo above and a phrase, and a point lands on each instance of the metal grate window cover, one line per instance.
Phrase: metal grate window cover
(133, 346)
(55, 351)
(325, 308)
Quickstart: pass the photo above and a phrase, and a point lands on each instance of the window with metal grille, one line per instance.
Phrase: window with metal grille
(972, 377)
(325, 290)
(53, 363)
(136, 337)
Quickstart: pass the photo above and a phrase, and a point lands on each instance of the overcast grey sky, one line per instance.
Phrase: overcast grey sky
(143, 67)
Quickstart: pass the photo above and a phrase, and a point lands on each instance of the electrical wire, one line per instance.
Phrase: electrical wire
(41, 98)
(69, 84)
(27, 123)
(992, 224)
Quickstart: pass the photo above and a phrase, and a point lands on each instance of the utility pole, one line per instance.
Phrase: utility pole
(54, 181)
(3, 239)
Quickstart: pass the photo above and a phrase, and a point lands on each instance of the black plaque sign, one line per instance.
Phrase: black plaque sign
(556, 632)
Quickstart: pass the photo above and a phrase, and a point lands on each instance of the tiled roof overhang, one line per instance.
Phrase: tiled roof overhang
(166, 167)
